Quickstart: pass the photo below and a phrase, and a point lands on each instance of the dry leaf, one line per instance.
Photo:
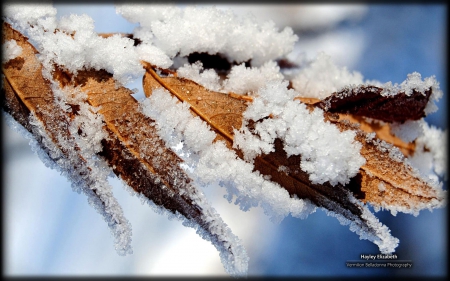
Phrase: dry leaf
(26, 91)
(382, 181)
(387, 181)
(368, 101)
(132, 148)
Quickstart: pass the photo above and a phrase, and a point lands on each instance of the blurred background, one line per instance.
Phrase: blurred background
(51, 230)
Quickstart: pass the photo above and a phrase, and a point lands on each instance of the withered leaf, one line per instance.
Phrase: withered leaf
(132, 148)
(26, 92)
(368, 125)
(369, 102)
(382, 181)
(389, 182)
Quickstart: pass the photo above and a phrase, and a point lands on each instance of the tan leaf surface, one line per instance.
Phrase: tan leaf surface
(390, 183)
(220, 111)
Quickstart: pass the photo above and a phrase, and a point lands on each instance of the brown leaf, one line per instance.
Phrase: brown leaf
(25, 92)
(220, 111)
(367, 101)
(132, 149)
(387, 181)
(402, 187)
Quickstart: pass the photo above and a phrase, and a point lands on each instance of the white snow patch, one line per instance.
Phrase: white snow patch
(10, 50)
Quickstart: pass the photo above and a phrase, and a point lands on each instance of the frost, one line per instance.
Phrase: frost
(380, 235)
(168, 35)
(212, 162)
(153, 55)
(232, 253)
(407, 131)
(10, 50)
(23, 15)
(243, 80)
(181, 32)
(90, 172)
(321, 77)
(431, 151)
(327, 154)
(414, 82)
(240, 79)
(191, 130)
(72, 42)
(195, 72)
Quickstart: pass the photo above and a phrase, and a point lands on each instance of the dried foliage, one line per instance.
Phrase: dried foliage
(134, 151)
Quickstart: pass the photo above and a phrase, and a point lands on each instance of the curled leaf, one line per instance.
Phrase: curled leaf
(369, 101)
(400, 189)
(126, 142)
(29, 98)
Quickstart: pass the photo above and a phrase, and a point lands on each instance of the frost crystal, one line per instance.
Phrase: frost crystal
(407, 131)
(414, 82)
(195, 72)
(327, 154)
(88, 172)
(168, 34)
(210, 30)
(431, 151)
(212, 162)
(247, 80)
(10, 50)
(73, 43)
(321, 77)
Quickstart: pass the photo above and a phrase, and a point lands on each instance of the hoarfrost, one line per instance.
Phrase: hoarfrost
(23, 15)
(207, 29)
(153, 55)
(247, 80)
(212, 162)
(408, 131)
(91, 180)
(414, 82)
(321, 77)
(327, 154)
(431, 151)
(167, 33)
(195, 72)
(240, 80)
(90, 175)
(10, 50)
(72, 42)
(232, 253)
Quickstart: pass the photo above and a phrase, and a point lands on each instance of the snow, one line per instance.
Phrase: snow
(378, 232)
(247, 80)
(321, 77)
(414, 82)
(232, 253)
(207, 29)
(195, 72)
(212, 162)
(431, 151)
(10, 50)
(327, 154)
(407, 131)
(72, 42)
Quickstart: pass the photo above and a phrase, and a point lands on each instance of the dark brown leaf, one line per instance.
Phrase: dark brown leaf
(367, 101)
